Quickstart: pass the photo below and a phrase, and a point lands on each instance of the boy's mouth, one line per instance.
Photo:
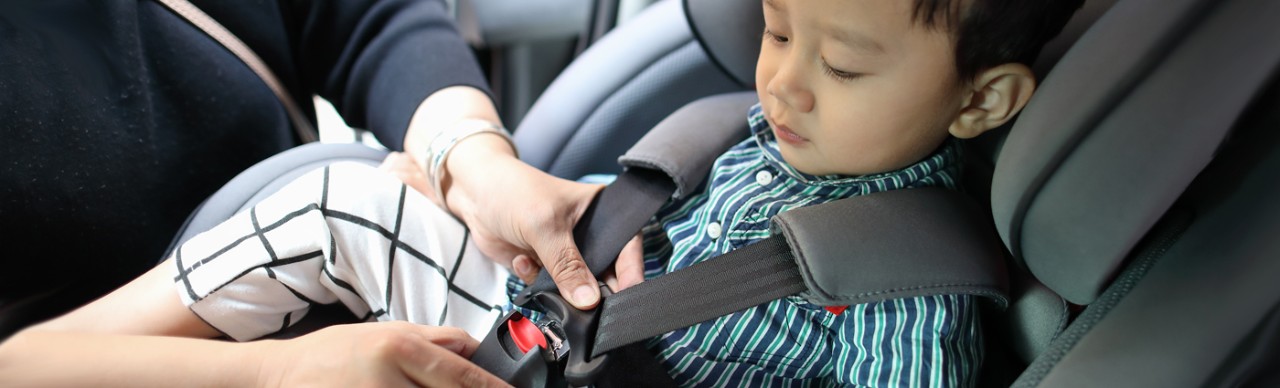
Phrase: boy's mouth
(784, 133)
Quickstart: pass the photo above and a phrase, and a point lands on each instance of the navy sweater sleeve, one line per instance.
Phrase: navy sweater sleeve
(375, 60)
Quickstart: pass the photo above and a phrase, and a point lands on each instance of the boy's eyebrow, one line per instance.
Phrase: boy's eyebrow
(773, 4)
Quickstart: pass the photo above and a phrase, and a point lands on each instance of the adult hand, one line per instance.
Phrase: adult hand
(517, 214)
(520, 216)
(507, 242)
(375, 354)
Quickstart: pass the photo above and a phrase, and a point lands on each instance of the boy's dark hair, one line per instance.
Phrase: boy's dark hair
(995, 32)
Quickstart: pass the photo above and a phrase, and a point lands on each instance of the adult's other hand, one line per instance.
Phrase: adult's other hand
(376, 354)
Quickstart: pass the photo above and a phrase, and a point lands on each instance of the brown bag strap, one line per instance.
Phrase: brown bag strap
(205, 23)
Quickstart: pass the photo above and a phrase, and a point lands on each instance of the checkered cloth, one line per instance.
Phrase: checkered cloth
(346, 233)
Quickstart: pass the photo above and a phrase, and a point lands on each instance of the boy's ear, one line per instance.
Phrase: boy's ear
(996, 95)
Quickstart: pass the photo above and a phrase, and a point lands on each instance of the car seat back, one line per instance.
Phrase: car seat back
(1197, 303)
(615, 91)
(1102, 184)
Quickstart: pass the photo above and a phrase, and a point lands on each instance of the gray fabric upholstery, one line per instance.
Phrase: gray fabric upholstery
(844, 259)
(685, 158)
(730, 32)
(1036, 315)
(1209, 295)
(1098, 157)
(680, 77)
(616, 91)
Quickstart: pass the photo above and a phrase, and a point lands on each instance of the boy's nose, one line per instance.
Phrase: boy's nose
(789, 86)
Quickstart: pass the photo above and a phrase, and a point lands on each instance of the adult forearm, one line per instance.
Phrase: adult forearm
(464, 170)
(54, 358)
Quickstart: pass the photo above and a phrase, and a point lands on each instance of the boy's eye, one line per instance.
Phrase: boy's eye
(839, 75)
(775, 37)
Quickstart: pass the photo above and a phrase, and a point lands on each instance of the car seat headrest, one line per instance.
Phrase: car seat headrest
(729, 31)
(1126, 120)
(981, 152)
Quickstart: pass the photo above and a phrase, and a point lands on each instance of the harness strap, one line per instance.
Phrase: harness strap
(612, 219)
(670, 161)
(743, 278)
(925, 241)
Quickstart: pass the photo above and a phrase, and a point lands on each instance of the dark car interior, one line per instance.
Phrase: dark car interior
(1135, 195)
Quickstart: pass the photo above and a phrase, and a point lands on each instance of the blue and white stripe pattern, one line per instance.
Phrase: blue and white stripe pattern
(927, 341)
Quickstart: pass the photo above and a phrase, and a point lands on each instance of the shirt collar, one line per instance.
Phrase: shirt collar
(943, 161)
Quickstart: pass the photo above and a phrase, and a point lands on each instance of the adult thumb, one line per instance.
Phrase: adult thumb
(563, 261)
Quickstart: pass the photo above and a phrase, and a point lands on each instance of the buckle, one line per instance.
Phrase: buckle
(533, 354)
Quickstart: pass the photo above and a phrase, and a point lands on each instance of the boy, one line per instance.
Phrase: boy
(856, 96)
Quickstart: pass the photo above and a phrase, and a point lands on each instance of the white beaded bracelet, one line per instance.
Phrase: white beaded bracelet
(440, 146)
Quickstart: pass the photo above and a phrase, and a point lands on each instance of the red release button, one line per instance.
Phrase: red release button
(525, 334)
(836, 309)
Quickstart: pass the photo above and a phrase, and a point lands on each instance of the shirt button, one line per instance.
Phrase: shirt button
(713, 230)
(764, 178)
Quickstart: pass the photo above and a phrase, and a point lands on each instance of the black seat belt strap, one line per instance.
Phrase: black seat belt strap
(669, 162)
(924, 241)
(737, 280)
(612, 219)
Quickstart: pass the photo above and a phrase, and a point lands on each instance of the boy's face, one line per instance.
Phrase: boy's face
(855, 87)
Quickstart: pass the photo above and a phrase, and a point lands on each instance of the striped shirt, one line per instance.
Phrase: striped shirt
(926, 341)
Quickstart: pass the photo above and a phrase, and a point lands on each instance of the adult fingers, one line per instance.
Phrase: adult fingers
(629, 268)
(436, 356)
(611, 280)
(451, 338)
(526, 268)
(564, 262)
(434, 366)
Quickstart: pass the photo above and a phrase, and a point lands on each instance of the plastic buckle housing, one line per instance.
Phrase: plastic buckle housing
(553, 352)
(502, 354)
(579, 328)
